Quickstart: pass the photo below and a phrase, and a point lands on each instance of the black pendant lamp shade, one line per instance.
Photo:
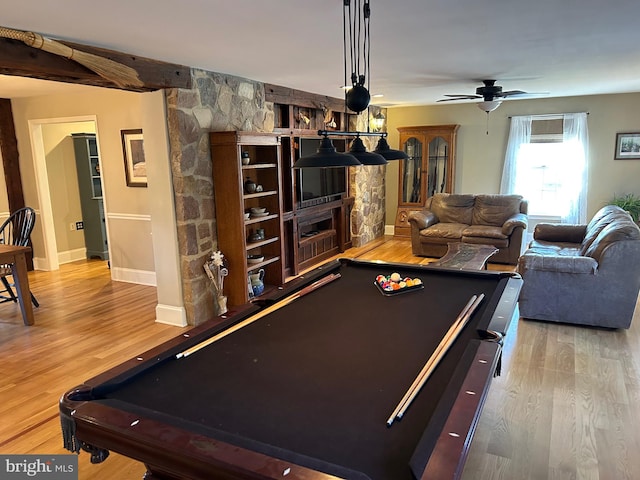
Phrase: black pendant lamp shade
(366, 158)
(387, 152)
(327, 156)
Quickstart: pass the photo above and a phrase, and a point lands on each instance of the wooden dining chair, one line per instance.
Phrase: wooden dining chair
(15, 231)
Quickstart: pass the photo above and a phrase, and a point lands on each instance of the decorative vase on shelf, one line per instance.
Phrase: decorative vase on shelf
(257, 282)
(246, 160)
(249, 186)
(221, 302)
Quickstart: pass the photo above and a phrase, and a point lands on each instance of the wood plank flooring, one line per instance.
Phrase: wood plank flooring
(567, 405)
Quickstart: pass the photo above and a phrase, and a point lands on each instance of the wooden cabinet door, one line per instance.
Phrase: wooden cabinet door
(429, 168)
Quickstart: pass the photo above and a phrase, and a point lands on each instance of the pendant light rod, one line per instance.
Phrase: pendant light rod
(326, 133)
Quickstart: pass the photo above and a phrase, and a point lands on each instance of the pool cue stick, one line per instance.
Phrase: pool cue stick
(427, 366)
(276, 306)
(443, 351)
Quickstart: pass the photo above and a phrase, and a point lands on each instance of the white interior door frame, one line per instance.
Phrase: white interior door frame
(42, 184)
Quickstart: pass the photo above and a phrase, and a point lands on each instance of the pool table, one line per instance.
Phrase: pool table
(305, 390)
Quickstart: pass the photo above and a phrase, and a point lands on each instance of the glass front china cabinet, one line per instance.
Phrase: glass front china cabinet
(429, 169)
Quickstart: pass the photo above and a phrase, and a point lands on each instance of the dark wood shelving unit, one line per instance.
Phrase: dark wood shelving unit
(287, 248)
(232, 202)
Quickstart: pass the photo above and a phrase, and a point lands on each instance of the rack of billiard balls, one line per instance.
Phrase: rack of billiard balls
(395, 283)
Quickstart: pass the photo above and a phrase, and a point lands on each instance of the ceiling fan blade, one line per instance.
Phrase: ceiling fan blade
(459, 97)
(462, 95)
(518, 93)
(509, 93)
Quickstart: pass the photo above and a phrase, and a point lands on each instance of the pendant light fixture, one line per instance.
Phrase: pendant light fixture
(327, 156)
(356, 15)
(366, 158)
(387, 152)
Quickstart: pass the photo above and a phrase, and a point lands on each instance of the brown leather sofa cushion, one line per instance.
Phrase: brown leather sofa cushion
(453, 208)
(484, 231)
(450, 231)
(495, 209)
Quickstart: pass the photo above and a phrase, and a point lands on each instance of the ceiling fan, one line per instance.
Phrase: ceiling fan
(491, 94)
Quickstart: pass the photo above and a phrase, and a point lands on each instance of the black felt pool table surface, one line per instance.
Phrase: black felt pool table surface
(315, 381)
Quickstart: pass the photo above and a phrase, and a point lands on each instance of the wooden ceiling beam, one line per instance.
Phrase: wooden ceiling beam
(16, 58)
(290, 96)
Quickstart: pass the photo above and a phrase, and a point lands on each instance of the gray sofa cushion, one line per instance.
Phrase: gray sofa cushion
(601, 219)
(614, 232)
(558, 263)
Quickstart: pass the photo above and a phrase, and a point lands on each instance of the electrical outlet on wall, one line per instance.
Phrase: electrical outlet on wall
(79, 225)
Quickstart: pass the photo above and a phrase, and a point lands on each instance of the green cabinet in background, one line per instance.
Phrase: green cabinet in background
(90, 186)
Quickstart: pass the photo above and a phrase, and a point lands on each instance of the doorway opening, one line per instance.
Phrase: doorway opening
(58, 188)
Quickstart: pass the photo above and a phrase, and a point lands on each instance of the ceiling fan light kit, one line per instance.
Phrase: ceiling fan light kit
(491, 94)
(489, 106)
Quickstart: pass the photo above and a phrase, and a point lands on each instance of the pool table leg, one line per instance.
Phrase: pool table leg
(98, 455)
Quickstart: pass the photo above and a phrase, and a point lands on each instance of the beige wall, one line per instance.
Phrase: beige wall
(127, 208)
(480, 156)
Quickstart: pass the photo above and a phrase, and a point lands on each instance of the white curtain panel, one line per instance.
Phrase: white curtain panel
(575, 142)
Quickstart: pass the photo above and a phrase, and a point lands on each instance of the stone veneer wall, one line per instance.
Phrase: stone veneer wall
(219, 102)
(367, 185)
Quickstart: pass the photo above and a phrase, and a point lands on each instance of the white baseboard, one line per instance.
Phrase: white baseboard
(40, 263)
(142, 277)
(170, 315)
(72, 255)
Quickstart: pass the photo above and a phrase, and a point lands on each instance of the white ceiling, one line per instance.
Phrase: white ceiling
(420, 49)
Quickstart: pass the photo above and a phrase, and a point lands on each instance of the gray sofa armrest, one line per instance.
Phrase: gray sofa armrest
(422, 219)
(559, 232)
(519, 220)
(556, 263)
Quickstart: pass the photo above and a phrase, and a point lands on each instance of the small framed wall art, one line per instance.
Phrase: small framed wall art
(627, 146)
(135, 166)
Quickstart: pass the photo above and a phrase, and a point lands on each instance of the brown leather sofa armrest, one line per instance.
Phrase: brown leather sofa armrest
(518, 220)
(422, 219)
(560, 232)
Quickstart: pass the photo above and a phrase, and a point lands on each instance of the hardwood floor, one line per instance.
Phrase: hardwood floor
(567, 405)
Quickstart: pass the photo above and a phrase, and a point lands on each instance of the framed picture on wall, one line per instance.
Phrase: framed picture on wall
(135, 166)
(627, 146)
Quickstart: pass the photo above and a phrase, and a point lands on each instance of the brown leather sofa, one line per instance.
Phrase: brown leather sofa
(497, 220)
(583, 274)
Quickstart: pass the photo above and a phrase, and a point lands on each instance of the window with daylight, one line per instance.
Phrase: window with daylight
(546, 163)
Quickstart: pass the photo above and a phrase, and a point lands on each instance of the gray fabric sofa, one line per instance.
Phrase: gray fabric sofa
(583, 274)
(497, 220)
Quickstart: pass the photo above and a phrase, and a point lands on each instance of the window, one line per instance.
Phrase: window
(546, 164)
